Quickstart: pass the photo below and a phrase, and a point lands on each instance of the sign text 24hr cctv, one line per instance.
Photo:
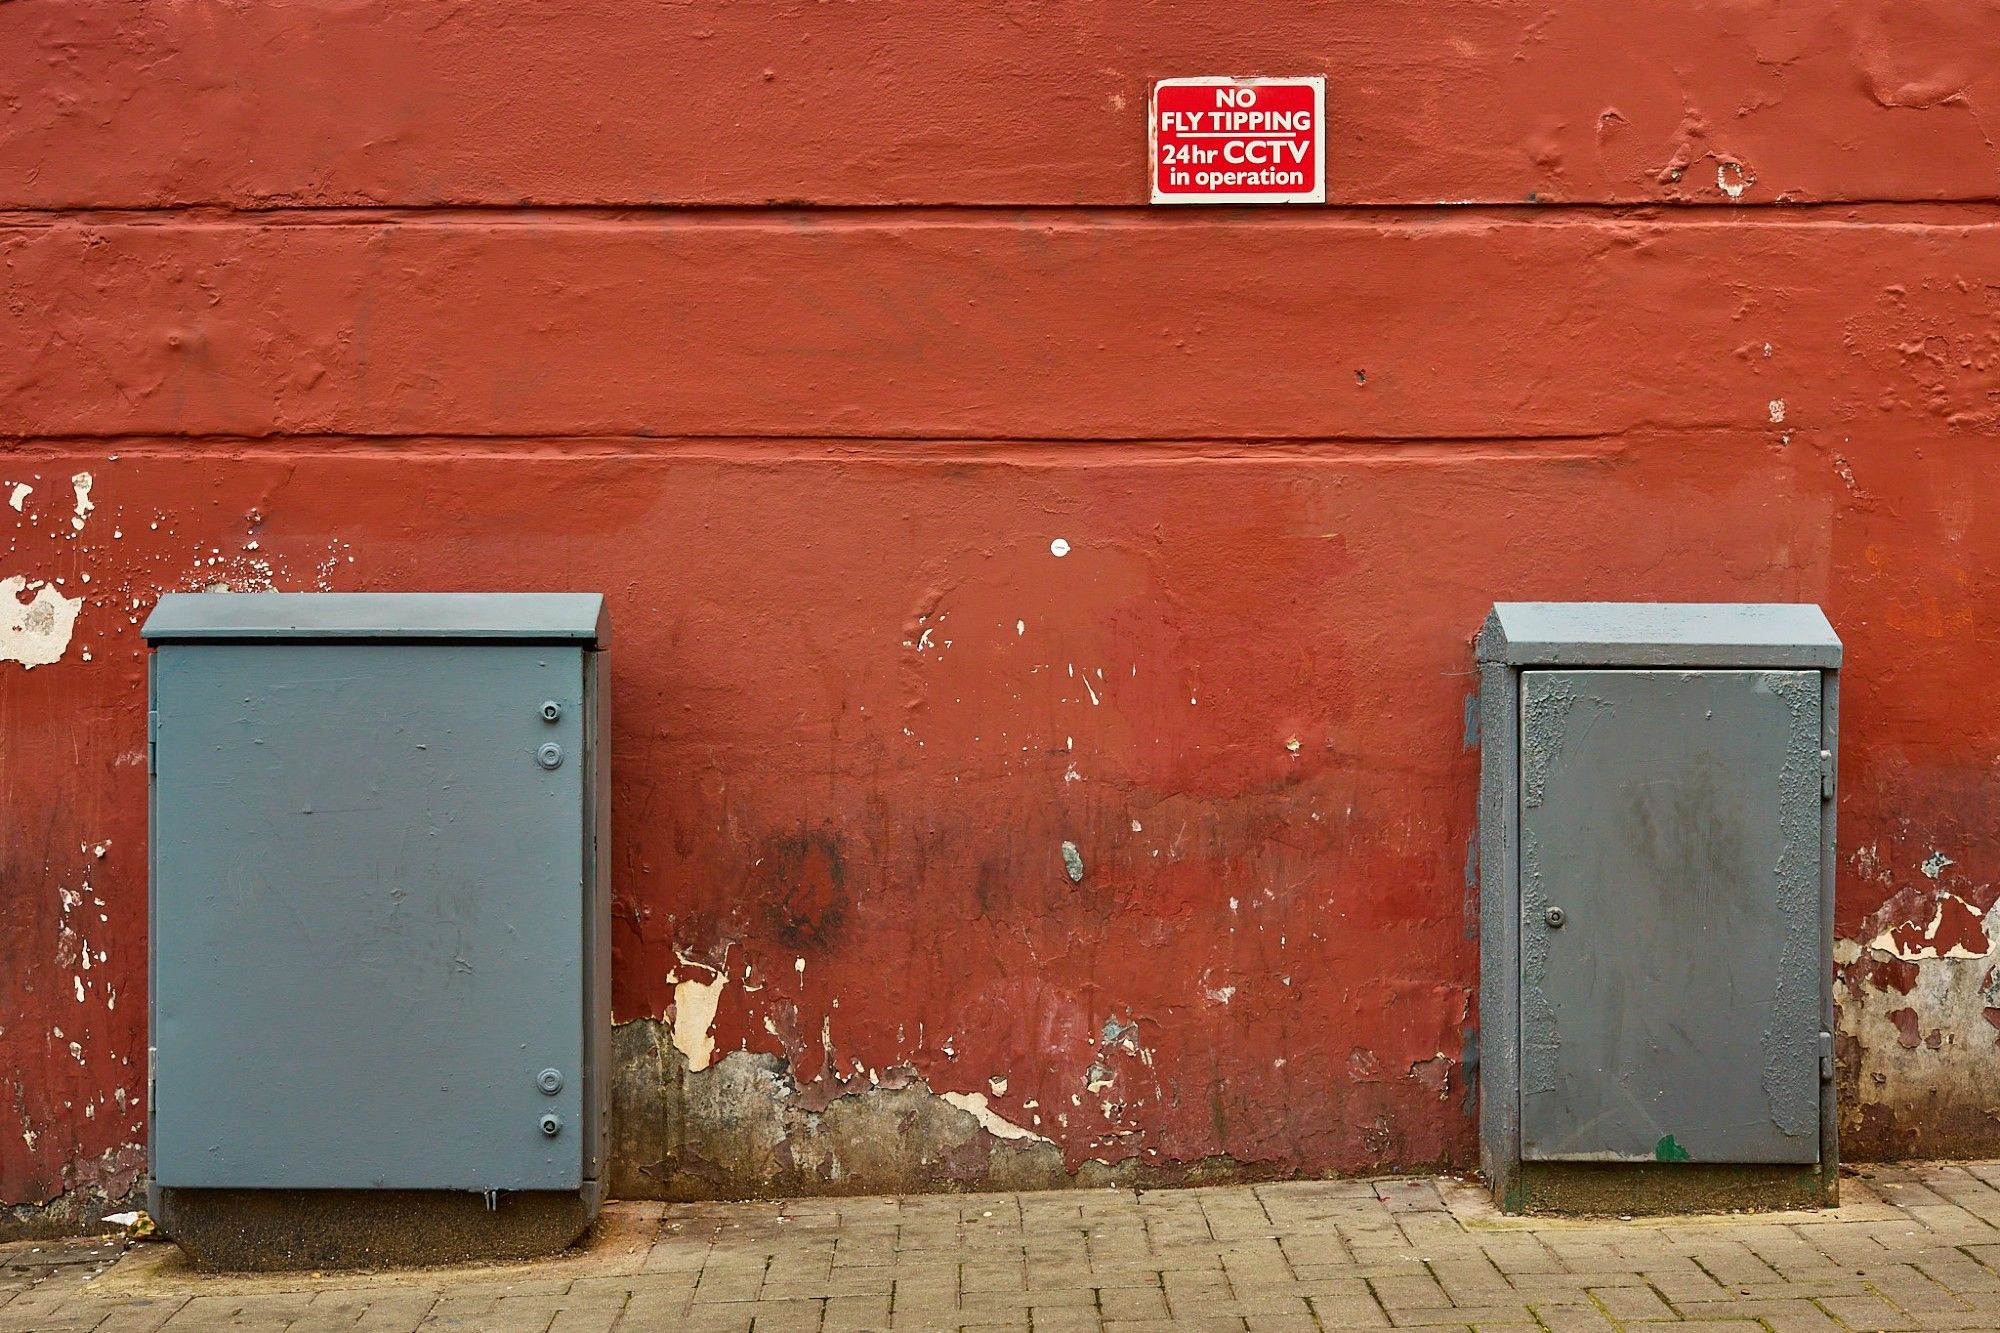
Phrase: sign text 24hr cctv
(1239, 141)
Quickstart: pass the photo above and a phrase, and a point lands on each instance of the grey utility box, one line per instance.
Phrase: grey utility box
(1656, 898)
(380, 980)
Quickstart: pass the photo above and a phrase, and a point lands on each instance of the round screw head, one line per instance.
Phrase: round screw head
(551, 1125)
(550, 1081)
(551, 710)
(1555, 916)
(549, 756)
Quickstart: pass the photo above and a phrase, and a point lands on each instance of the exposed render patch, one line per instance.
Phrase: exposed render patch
(1919, 1018)
(694, 1019)
(35, 632)
(81, 483)
(974, 1105)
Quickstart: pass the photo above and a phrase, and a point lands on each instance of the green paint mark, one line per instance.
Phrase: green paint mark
(1666, 1150)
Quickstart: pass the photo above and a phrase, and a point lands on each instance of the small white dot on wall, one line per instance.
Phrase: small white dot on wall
(1058, 548)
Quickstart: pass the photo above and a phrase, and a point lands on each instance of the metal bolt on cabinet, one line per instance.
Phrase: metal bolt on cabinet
(1656, 895)
(380, 964)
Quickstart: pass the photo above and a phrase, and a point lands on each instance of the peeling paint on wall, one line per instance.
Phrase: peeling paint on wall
(974, 1105)
(1918, 1022)
(695, 1004)
(36, 631)
(80, 484)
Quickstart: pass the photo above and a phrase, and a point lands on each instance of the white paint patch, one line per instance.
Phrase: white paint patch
(974, 1105)
(19, 495)
(1776, 407)
(35, 632)
(694, 1019)
(1935, 863)
(1058, 548)
(81, 484)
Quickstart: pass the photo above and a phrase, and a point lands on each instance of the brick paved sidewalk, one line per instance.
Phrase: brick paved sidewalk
(1915, 1247)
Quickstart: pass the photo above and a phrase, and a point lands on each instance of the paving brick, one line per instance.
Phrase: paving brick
(1914, 1249)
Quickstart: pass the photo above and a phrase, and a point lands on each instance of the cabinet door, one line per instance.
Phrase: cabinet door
(1670, 900)
(368, 930)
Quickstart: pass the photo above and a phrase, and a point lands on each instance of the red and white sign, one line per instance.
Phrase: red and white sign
(1239, 141)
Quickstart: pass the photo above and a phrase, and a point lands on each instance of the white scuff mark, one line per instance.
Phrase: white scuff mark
(35, 632)
(1136, 827)
(1776, 407)
(1935, 863)
(1058, 548)
(79, 988)
(999, 1086)
(974, 1105)
(1222, 994)
(1091, 692)
(18, 496)
(80, 483)
(1020, 628)
(1293, 745)
(695, 1003)
(1733, 178)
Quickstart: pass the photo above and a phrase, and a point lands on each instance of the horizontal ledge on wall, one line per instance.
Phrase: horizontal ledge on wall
(997, 327)
(756, 450)
(713, 102)
(1427, 215)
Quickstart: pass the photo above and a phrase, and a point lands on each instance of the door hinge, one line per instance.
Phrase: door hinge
(1826, 1057)
(1826, 775)
(152, 742)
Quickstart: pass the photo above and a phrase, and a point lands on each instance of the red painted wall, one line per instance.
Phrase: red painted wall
(804, 331)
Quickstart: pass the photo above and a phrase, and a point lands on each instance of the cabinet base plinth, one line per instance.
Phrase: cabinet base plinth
(1652, 1189)
(270, 1230)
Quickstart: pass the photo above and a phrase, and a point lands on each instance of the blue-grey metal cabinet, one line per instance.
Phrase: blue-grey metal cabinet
(379, 904)
(1656, 856)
